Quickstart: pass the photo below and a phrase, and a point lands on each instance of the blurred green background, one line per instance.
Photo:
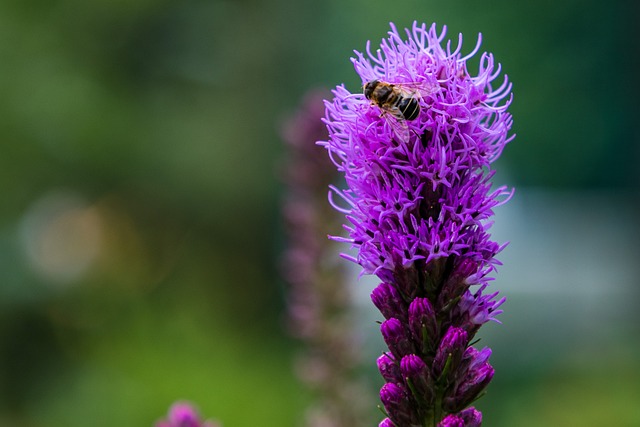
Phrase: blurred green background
(140, 230)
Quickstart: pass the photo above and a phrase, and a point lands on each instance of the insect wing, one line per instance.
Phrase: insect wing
(393, 119)
(418, 89)
(397, 123)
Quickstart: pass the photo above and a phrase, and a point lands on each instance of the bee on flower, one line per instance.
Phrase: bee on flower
(399, 102)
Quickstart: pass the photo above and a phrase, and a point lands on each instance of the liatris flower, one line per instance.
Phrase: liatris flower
(318, 299)
(183, 414)
(420, 201)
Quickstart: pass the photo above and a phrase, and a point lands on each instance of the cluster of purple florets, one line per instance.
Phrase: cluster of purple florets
(420, 209)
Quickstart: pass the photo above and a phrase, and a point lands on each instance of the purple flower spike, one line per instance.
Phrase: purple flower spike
(416, 148)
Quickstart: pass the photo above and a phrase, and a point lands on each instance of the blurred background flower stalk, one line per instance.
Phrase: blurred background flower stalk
(320, 305)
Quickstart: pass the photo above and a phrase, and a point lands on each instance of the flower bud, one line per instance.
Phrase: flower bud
(477, 380)
(456, 283)
(389, 369)
(473, 375)
(472, 417)
(387, 299)
(422, 323)
(417, 375)
(452, 421)
(386, 423)
(398, 404)
(396, 338)
(450, 352)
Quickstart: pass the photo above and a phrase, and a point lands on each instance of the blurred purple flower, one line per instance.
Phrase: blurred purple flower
(183, 414)
(420, 200)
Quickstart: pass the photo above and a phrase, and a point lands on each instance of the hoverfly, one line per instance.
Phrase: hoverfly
(399, 100)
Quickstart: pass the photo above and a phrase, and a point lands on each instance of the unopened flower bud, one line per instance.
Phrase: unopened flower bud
(398, 404)
(452, 421)
(387, 299)
(422, 322)
(449, 354)
(472, 417)
(386, 423)
(476, 381)
(473, 381)
(389, 369)
(396, 338)
(417, 375)
(457, 282)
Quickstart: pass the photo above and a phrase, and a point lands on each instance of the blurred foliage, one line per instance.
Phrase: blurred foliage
(140, 182)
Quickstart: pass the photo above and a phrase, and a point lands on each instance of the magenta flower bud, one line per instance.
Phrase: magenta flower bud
(469, 389)
(416, 373)
(389, 369)
(396, 338)
(472, 417)
(386, 423)
(449, 354)
(398, 404)
(393, 395)
(412, 366)
(474, 374)
(452, 421)
(387, 299)
(472, 385)
(423, 325)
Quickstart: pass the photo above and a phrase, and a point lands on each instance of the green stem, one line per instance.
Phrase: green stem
(437, 410)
